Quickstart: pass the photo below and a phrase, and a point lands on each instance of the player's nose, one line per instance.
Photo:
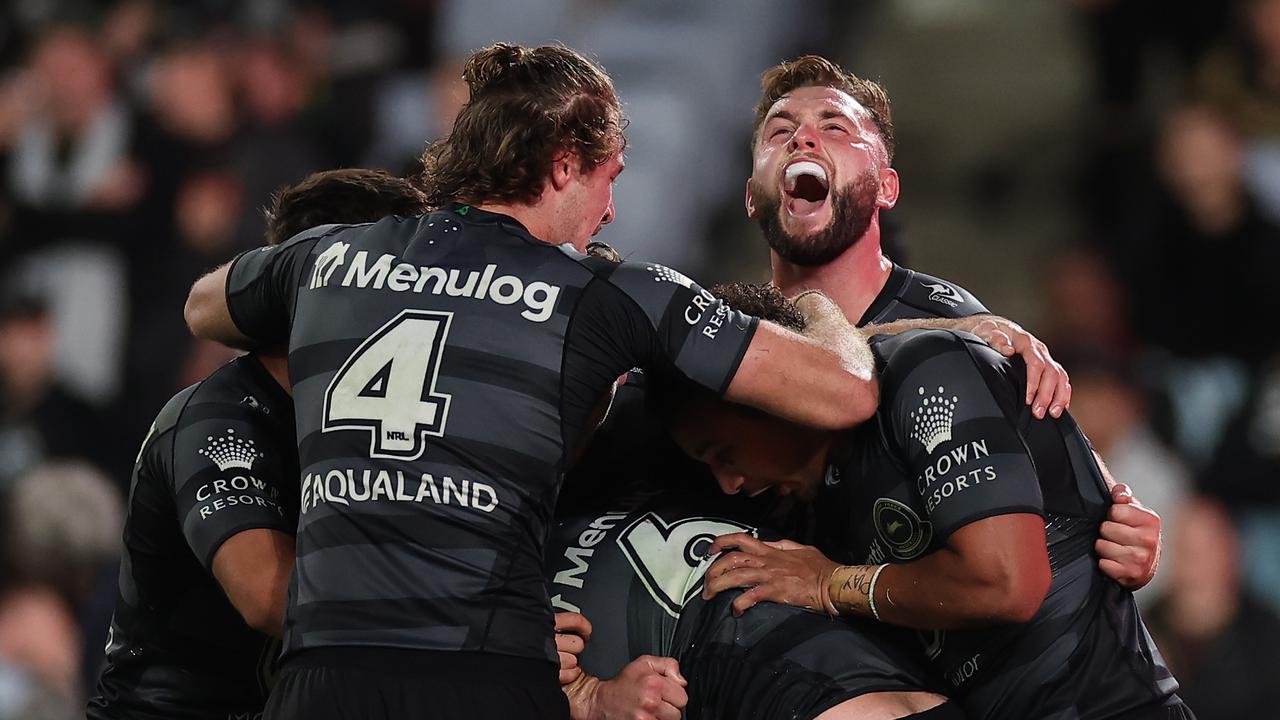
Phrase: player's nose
(730, 482)
(804, 138)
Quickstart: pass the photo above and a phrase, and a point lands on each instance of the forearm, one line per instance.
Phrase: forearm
(896, 327)
(826, 324)
(207, 314)
(937, 592)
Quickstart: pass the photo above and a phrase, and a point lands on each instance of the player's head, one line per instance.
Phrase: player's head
(542, 125)
(746, 449)
(822, 156)
(347, 196)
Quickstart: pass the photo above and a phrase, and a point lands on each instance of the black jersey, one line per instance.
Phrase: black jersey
(634, 565)
(218, 460)
(444, 367)
(910, 295)
(953, 443)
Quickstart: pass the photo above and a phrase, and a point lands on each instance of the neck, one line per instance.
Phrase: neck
(538, 218)
(852, 280)
(277, 365)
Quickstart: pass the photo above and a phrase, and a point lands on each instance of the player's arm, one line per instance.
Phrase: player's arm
(639, 314)
(249, 301)
(233, 519)
(825, 378)
(992, 564)
(253, 568)
(647, 688)
(1048, 386)
(206, 310)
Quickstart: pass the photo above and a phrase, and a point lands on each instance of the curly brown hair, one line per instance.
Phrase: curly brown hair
(527, 105)
(351, 195)
(817, 71)
(763, 301)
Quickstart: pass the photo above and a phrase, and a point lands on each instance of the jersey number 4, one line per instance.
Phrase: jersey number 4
(388, 386)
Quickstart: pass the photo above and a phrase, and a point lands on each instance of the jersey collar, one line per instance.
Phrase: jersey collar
(898, 277)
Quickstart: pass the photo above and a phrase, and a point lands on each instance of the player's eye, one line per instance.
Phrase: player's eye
(836, 128)
(780, 130)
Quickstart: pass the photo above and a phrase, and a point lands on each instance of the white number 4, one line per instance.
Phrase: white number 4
(388, 386)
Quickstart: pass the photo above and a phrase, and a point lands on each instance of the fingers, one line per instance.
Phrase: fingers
(573, 623)
(740, 577)
(569, 670)
(1121, 494)
(1129, 567)
(571, 644)
(749, 599)
(742, 541)
(785, 544)
(666, 666)
(1134, 514)
(1122, 534)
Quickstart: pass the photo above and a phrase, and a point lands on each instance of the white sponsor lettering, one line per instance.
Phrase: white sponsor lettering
(539, 298)
(955, 458)
(959, 675)
(343, 487)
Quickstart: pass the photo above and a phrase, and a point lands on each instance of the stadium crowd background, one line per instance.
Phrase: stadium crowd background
(1105, 171)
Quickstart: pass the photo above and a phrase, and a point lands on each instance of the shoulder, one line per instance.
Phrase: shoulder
(913, 363)
(939, 297)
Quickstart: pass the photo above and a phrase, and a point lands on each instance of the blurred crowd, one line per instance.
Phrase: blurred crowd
(139, 141)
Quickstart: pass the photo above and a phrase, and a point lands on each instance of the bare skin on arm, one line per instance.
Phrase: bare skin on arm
(206, 311)
(253, 568)
(995, 570)
(826, 380)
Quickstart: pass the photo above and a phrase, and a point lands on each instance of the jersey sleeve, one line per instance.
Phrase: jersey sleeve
(680, 323)
(262, 283)
(950, 408)
(228, 477)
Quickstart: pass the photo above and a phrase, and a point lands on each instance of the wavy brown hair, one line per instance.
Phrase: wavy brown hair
(526, 106)
(817, 71)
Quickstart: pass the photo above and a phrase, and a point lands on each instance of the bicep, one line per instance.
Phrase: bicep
(1008, 549)
(253, 567)
(207, 313)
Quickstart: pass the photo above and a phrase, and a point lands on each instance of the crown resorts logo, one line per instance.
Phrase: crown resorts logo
(932, 420)
(663, 273)
(230, 451)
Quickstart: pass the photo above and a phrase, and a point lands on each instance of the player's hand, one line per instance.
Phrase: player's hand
(573, 630)
(1048, 387)
(782, 572)
(648, 688)
(1128, 546)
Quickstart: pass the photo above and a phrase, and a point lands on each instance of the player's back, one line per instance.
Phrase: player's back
(444, 367)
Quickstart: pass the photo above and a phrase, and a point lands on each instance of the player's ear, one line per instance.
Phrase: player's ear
(887, 195)
(750, 202)
(562, 170)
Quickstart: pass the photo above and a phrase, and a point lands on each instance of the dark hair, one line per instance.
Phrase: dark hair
(817, 71)
(670, 392)
(527, 105)
(351, 195)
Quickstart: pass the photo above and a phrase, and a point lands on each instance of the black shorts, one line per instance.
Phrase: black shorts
(375, 683)
(781, 662)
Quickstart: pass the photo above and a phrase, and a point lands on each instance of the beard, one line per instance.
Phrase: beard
(852, 208)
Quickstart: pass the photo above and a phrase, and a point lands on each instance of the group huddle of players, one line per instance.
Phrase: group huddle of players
(764, 514)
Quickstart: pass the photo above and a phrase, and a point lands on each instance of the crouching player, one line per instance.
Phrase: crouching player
(959, 516)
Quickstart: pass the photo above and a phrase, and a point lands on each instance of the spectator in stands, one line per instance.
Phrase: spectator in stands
(1218, 639)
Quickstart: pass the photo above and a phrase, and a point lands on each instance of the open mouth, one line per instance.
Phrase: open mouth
(806, 186)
